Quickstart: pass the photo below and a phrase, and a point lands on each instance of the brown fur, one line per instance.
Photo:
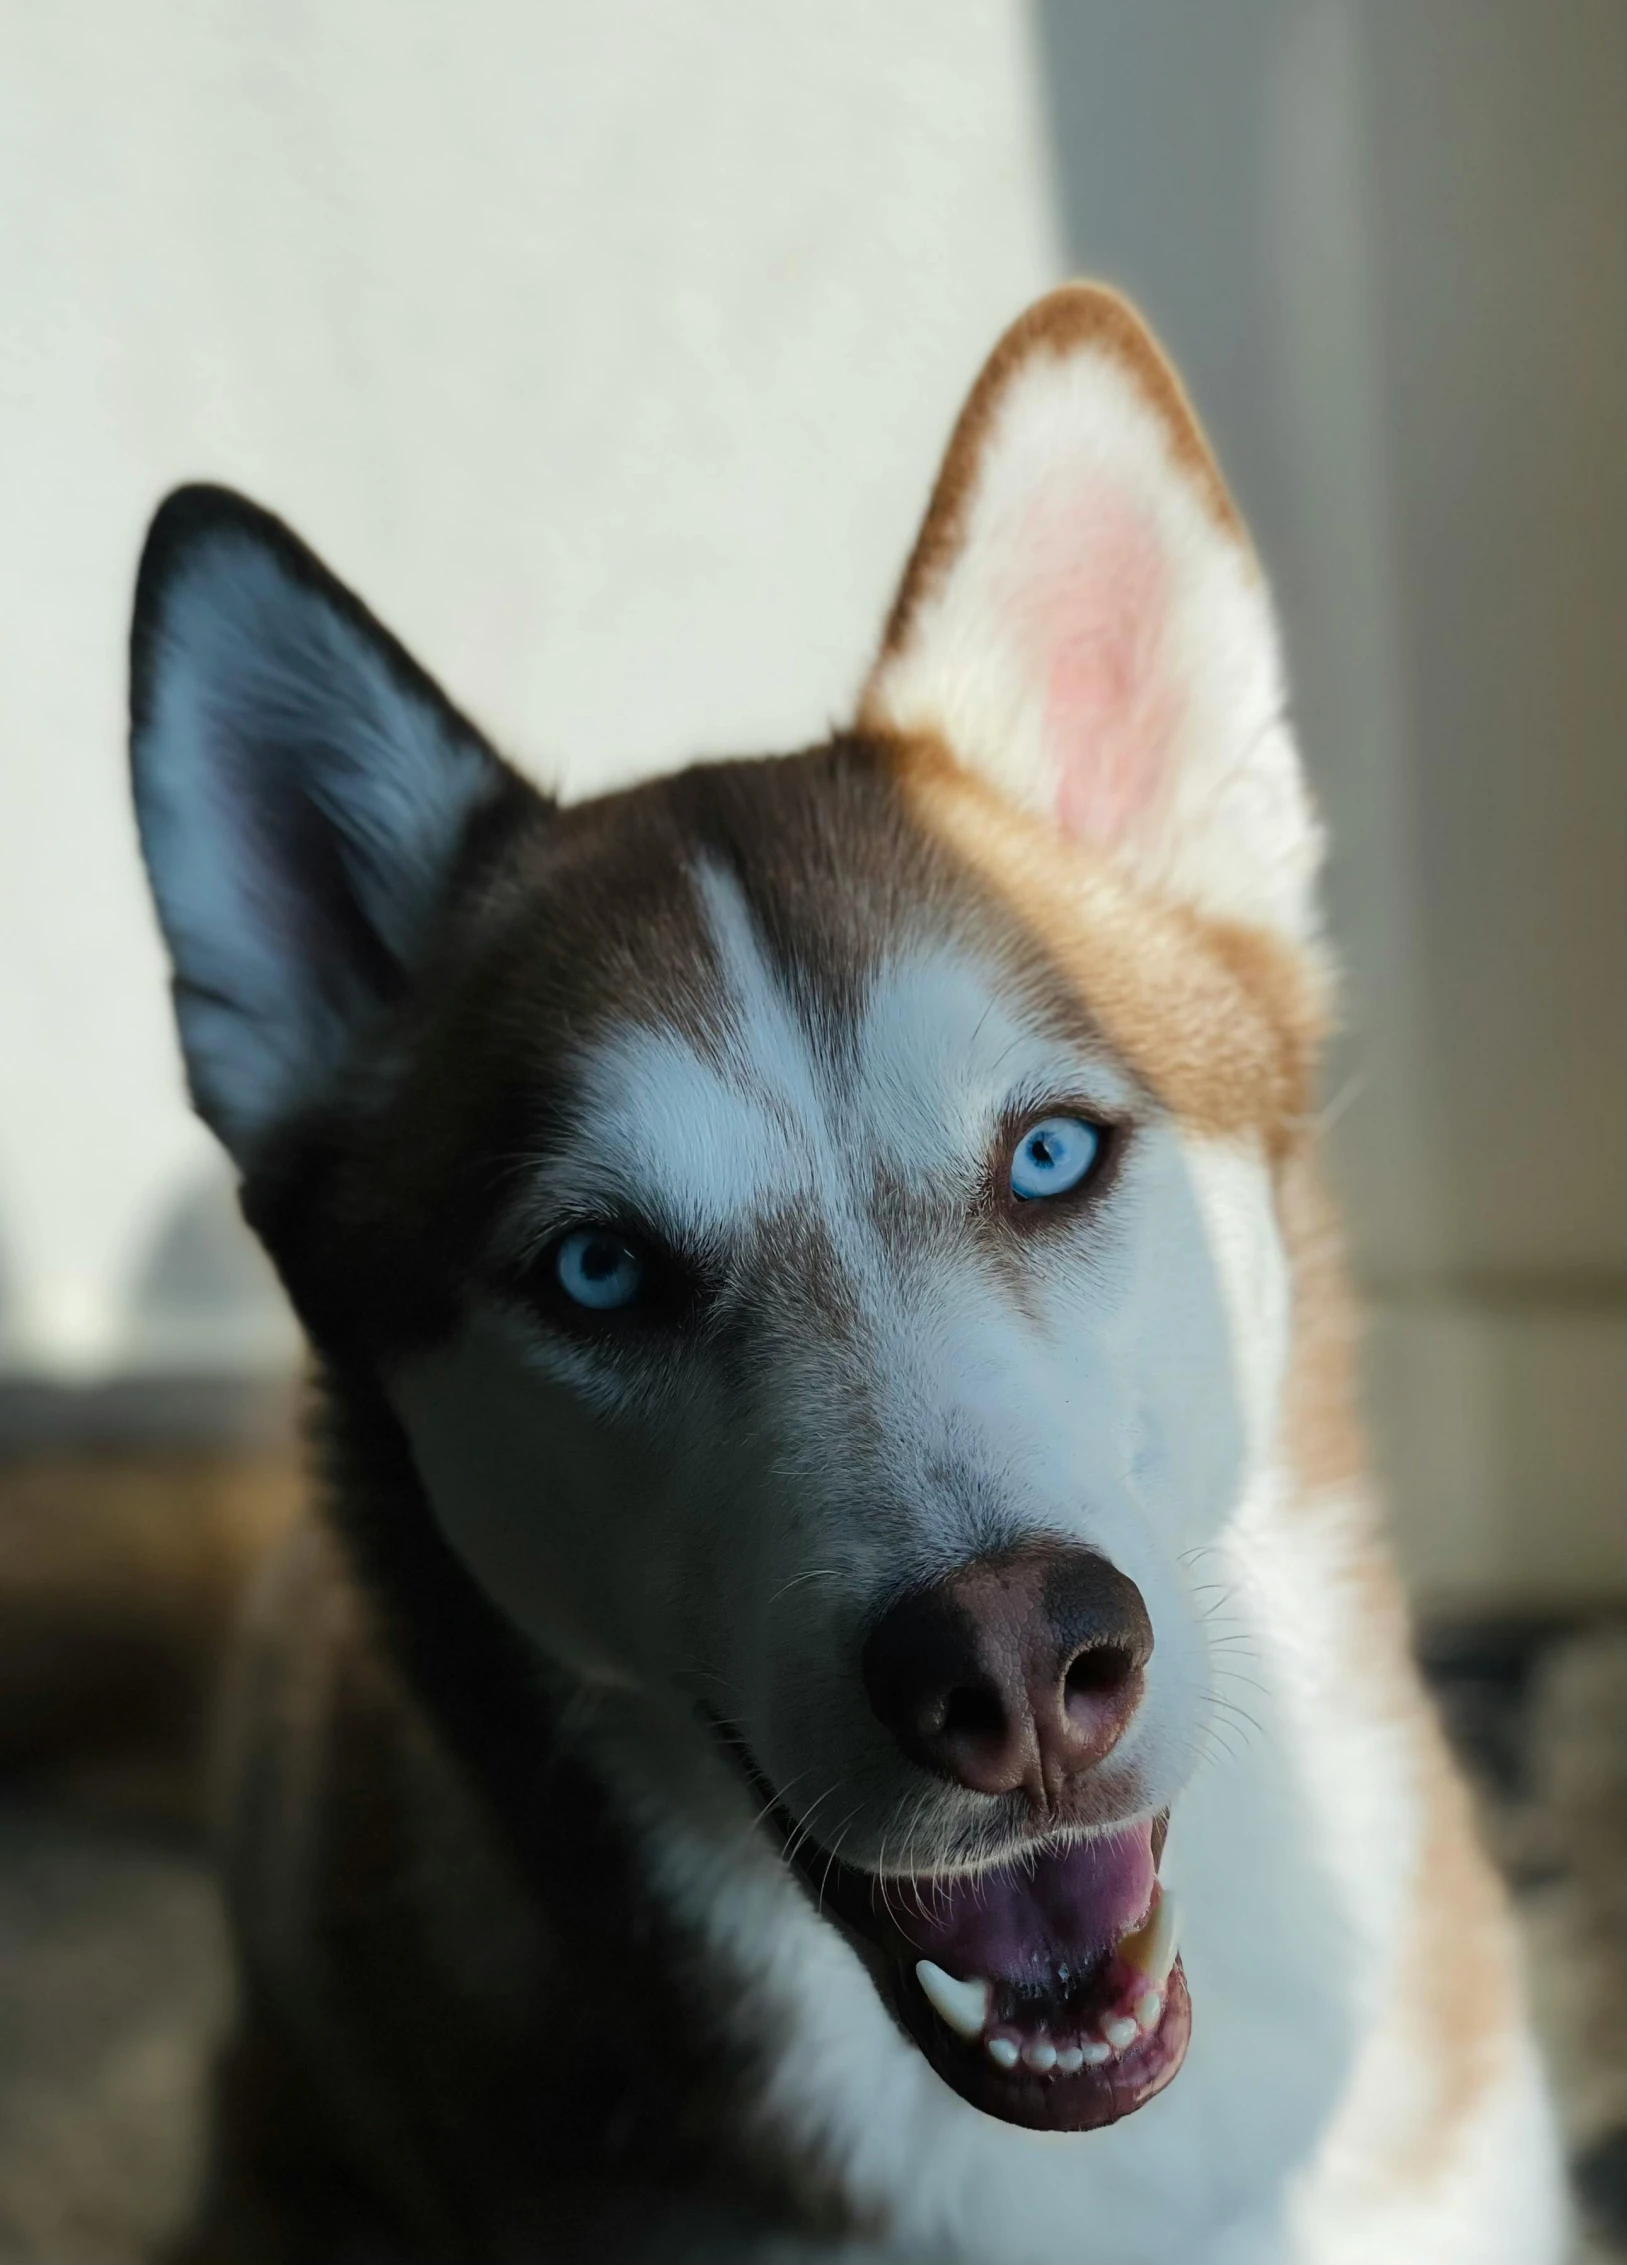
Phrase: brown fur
(1323, 1441)
(1221, 1022)
(588, 924)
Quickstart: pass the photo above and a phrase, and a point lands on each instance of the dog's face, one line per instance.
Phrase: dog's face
(813, 1217)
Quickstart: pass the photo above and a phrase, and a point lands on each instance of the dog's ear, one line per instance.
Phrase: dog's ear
(302, 791)
(1083, 622)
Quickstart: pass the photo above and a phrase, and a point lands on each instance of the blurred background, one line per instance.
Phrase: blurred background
(609, 352)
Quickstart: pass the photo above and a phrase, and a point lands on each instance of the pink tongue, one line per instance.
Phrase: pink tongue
(1051, 1917)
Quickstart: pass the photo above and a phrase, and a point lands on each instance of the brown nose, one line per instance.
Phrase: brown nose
(1018, 1672)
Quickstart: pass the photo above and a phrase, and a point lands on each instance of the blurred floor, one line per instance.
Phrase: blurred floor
(116, 1577)
(114, 1975)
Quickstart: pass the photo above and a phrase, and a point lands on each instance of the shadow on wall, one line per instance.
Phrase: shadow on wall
(206, 1299)
(1385, 245)
(207, 1352)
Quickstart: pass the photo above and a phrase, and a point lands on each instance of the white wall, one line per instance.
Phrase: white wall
(607, 349)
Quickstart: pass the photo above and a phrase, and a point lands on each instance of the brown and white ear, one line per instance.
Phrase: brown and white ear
(1083, 622)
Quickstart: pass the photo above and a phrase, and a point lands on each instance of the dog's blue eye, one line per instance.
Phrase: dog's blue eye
(1053, 1156)
(598, 1269)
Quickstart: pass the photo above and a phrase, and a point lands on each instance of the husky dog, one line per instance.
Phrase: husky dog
(846, 1697)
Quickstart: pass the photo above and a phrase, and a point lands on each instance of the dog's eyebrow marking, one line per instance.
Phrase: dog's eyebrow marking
(663, 1134)
(702, 1143)
(945, 1050)
(770, 1048)
(943, 1046)
(698, 1142)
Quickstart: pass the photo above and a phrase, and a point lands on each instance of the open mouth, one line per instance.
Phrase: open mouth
(1049, 1991)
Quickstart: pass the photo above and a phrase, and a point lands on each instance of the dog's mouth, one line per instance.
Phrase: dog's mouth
(1047, 1991)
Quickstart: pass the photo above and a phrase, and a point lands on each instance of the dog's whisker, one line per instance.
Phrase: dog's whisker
(818, 1573)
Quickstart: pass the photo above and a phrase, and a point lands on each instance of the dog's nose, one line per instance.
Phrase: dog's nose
(1018, 1672)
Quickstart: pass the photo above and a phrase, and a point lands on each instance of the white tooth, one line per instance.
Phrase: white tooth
(1040, 2055)
(1004, 2051)
(963, 2005)
(1120, 2033)
(1152, 1951)
(1095, 2052)
(1148, 2007)
(1071, 2059)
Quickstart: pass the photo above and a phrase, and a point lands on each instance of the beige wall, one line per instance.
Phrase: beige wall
(1388, 240)
(1499, 203)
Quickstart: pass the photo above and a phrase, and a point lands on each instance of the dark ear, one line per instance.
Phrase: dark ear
(302, 790)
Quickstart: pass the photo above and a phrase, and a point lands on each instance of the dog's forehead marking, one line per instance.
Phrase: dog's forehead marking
(768, 1043)
(934, 1046)
(946, 1045)
(664, 1133)
(701, 1137)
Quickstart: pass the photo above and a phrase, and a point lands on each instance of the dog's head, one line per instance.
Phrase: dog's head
(814, 1217)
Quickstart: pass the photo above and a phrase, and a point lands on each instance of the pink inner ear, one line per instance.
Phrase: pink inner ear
(1092, 622)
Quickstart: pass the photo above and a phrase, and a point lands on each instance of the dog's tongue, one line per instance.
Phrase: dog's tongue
(1049, 1917)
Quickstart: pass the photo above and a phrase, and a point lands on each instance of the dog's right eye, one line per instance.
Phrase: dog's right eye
(599, 1269)
(611, 1281)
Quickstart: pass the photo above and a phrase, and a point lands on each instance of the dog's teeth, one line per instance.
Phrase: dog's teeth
(1120, 2033)
(1071, 2059)
(1149, 2007)
(1041, 2055)
(1093, 2052)
(1151, 1949)
(1003, 2051)
(964, 2006)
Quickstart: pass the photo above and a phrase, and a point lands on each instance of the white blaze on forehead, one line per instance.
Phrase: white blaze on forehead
(701, 1141)
(769, 1042)
(942, 1046)
(945, 1050)
(665, 1134)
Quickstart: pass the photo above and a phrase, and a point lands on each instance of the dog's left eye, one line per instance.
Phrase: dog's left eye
(599, 1269)
(1054, 1156)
